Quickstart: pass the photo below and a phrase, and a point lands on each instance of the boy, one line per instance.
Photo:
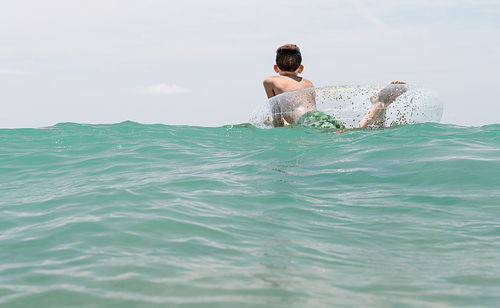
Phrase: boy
(302, 110)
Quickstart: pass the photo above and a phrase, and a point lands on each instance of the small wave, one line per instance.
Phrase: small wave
(135, 214)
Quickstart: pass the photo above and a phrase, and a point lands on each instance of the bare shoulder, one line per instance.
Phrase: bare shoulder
(307, 82)
(271, 79)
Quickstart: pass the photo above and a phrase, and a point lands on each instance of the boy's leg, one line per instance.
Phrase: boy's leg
(380, 101)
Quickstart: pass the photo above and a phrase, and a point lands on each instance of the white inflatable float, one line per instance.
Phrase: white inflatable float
(349, 104)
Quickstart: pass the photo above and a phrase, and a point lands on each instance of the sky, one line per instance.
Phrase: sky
(196, 62)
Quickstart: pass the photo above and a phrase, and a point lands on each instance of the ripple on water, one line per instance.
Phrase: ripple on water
(149, 215)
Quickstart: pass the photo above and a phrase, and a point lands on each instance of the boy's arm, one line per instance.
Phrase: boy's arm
(268, 86)
(278, 120)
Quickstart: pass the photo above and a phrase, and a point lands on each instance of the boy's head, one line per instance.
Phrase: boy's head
(288, 58)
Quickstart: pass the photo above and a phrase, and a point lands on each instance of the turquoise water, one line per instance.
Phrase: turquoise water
(131, 215)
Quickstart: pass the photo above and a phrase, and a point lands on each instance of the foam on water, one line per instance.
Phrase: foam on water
(152, 215)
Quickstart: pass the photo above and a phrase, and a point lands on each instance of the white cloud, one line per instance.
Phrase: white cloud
(162, 89)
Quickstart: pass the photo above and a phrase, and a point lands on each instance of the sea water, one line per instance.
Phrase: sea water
(132, 215)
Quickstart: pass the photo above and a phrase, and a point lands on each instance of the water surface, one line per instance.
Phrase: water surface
(132, 215)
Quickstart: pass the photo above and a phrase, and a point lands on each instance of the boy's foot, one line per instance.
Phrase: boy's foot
(380, 101)
(388, 94)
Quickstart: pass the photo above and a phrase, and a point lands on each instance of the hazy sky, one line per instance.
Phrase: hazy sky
(203, 62)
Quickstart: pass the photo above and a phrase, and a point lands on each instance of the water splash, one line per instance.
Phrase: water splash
(349, 104)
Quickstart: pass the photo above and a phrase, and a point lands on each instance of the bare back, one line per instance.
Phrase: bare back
(295, 106)
(275, 85)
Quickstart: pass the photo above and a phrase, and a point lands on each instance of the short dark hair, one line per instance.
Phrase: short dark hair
(288, 58)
